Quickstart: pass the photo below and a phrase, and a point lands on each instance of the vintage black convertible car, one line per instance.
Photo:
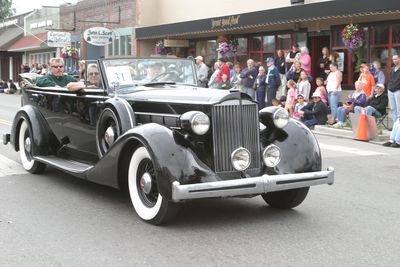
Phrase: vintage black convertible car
(145, 126)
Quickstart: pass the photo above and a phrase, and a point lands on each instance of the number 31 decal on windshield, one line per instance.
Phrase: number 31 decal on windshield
(120, 74)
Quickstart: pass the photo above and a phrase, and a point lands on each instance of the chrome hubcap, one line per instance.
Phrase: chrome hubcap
(109, 136)
(145, 183)
(28, 145)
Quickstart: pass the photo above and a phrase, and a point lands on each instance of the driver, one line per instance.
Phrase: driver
(153, 71)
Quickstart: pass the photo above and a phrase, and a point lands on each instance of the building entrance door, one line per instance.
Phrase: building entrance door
(316, 45)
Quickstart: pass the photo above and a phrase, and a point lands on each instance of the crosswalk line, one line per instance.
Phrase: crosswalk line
(350, 150)
(10, 167)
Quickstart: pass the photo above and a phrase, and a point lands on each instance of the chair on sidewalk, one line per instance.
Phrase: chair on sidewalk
(384, 121)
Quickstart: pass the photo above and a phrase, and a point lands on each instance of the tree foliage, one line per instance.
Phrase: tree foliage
(6, 9)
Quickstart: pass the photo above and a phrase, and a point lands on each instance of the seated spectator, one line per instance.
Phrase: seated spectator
(225, 83)
(12, 89)
(376, 105)
(315, 112)
(2, 86)
(355, 99)
(394, 140)
(299, 105)
(56, 77)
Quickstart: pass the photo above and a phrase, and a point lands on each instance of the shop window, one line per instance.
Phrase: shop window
(300, 38)
(269, 43)
(380, 34)
(128, 45)
(115, 45)
(256, 43)
(396, 34)
(122, 44)
(283, 41)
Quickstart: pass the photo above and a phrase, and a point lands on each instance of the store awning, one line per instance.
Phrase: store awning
(9, 36)
(299, 13)
(29, 42)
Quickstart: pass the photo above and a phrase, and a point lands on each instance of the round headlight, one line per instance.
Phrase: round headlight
(272, 155)
(281, 117)
(200, 123)
(241, 159)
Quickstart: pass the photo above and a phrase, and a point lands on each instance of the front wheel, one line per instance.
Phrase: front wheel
(143, 189)
(286, 199)
(25, 150)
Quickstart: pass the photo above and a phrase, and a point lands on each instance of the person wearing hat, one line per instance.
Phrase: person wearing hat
(315, 112)
(376, 105)
(202, 71)
(273, 81)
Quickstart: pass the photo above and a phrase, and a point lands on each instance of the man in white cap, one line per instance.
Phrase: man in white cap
(202, 71)
(376, 105)
(315, 112)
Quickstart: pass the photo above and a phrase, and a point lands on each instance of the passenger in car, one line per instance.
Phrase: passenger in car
(56, 77)
(93, 80)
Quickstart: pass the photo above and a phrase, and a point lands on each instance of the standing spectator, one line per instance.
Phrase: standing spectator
(376, 105)
(315, 112)
(225, 83)
(292, 56)
(236, 81)
(303, 85)
(305, 60)
(273, 80)
(324, 63)
(334, 89)
(223, 70)
(394, 89)
(294, 72)
(248, 76)
(44, 69)
(280, 63)
(212, 83)
(379, 76)
(367, 79)
(291, 97)
(321, 89)
(260, 87)
(355, 99)
(394, 140)
(202, 71)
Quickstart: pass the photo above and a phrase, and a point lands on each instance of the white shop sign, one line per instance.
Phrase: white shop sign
(58, 39)
(98, 36)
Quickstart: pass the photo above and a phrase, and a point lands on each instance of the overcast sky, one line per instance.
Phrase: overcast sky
(23, 6)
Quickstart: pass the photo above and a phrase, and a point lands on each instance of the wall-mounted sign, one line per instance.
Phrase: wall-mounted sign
(8, 23)
(225, 22)
(176, 43)
(99, 36)
(58, 39)
(41, 24)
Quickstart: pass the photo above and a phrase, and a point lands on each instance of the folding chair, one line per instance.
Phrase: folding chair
(384, 121)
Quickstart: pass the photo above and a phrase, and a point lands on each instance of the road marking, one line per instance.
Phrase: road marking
(350, 150)
(9, 123)
(10, 167)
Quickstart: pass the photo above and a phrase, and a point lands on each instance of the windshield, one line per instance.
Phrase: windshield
(132, 72)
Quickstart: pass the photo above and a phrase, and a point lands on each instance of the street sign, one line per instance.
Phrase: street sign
(58, 39)
(98, 36)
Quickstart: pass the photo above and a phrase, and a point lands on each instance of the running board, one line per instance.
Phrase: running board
(67, 165)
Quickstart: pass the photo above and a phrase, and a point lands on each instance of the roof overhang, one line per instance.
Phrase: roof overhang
(299, 13)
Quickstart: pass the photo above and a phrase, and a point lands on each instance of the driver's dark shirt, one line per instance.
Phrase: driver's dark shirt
(50, 80)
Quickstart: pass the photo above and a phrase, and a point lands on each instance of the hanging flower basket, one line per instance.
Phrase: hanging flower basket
(227, 46)
(353, 37)
(67, 52)
(159, 48)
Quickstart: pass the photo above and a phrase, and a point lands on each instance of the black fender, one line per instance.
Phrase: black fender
(300, 151)
(123, 113)
(44, 141)
(172, 162)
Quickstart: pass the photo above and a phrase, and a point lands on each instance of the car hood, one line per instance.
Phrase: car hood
(181, 94)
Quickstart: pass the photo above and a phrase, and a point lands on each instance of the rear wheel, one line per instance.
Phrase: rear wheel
(286, 199)
(143, 189)
(25, 150)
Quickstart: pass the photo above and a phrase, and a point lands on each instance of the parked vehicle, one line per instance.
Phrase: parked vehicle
(147, 127)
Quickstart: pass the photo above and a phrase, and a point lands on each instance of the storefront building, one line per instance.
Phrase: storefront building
(10, 31)
(261, 28)
(33, 44)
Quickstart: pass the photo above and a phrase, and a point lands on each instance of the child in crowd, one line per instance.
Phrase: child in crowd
(291, 97)
(321, 89)
(225, 83)
(299, 105)
(276, 103)
(303, 85)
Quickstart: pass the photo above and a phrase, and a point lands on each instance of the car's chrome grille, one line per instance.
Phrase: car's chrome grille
(227, 133)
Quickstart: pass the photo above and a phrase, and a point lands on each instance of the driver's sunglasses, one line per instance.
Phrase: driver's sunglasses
(93, 73)
(58, 66)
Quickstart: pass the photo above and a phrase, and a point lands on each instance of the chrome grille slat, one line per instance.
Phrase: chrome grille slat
(227, 133)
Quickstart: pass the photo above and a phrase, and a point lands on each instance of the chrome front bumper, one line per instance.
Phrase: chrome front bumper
(251, 186)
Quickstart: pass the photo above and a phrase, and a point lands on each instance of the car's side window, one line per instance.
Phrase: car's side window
(93, 78)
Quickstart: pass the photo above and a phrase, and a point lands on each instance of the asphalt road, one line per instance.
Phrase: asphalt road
(57, 220)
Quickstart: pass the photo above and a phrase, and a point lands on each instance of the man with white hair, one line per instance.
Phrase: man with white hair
(202, 71)
(56, 77)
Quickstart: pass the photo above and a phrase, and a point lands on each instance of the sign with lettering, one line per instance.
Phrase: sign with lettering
(41, 24)
(98, 36)
(120, 75)
(8, 23)
(225, 22)
(58, 39)
(176, 43)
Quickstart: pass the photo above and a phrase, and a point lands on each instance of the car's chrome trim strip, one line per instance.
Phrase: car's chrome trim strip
(158, 114)
(71, 94)
(251, 186)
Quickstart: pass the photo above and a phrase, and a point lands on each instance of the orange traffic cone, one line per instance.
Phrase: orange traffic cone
(362, 132)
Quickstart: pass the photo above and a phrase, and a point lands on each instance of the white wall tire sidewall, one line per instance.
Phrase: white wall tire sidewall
(142, 210)
(26, 162)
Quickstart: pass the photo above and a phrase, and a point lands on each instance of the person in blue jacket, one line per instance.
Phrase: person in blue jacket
(273, 81)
